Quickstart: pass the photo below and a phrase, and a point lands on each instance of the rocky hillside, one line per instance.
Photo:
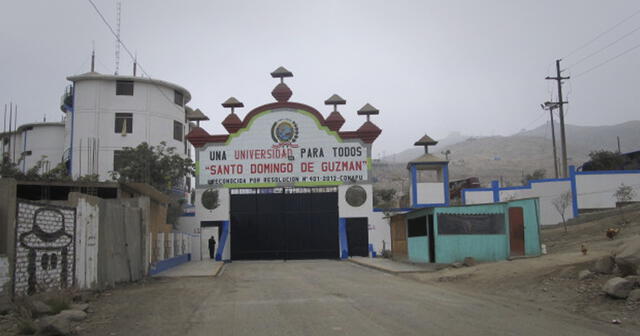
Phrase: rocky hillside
(511, 157)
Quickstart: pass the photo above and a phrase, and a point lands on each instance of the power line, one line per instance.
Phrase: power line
(603, 33)
(536, 119)
(603, 48)
(608, 60)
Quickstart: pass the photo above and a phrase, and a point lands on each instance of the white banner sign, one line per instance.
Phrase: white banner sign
(283, 147)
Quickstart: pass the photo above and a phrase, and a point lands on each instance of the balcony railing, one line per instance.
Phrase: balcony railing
(66, 100)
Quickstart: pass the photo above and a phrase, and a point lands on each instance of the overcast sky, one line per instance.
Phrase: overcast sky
(432, 67)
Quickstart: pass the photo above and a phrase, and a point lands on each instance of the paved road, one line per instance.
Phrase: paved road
(319, 298)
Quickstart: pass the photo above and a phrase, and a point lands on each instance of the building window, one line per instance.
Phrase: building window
(118, 161)
(124, 88)
(124, 123)
(177, 130)
(417, 227)
(450, 224)
(178, 98)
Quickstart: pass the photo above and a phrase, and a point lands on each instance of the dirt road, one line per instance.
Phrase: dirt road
(319, 298)
(552, 280)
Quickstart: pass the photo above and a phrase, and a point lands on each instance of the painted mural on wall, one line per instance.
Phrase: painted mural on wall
(284, 147)
(45, 248)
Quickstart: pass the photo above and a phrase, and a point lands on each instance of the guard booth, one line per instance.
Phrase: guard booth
(486, 232)
(285, 182)
(432, 231)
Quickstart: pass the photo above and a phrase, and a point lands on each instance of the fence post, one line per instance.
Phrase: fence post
(160, 246)
(495, 186)
(574, 191)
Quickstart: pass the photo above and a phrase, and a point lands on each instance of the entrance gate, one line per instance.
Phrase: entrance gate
(284, 223)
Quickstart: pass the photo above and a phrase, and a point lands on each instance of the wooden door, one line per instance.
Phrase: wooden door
(516, 231)
(399, 236)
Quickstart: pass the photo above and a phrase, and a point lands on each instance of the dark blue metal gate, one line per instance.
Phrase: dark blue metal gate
(284, 223)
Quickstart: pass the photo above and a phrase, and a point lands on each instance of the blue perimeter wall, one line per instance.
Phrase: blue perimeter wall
(166, 264)
(495, 185)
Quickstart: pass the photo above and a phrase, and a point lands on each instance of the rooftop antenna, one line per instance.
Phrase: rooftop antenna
(15, 128)
(93, 56)
(118, 12)
(135, 64)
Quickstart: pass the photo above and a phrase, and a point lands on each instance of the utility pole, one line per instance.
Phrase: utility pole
(551, 106)
(560, 103)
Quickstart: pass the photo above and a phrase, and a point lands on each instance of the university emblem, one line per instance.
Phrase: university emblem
(284, 132)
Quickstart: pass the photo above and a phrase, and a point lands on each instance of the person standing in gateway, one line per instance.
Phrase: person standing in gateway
(212, 247)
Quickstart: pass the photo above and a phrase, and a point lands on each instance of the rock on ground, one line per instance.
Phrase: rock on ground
(634, 295)
(604, 265)
(54, 325)
(80, 306)
(585, 274)
(633, 278)
(39, 308)
(628, 257)
(618, 287)
(73, 315)
(469, 261)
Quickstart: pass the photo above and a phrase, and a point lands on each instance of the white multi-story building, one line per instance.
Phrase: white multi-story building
(106, 113)
(34, 142)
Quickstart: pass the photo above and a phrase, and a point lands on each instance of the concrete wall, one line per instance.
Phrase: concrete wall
(379, 227)
(87, 236)
(45, 250)
(379, 231)
(596, 189)
(546, 192)
(589, 190)
(477, 196)
(5, 283)
(7, 217)
(347, 211)
(158, 251)
(95, 106)
(121, 244)
(190, 225)
(430, 193)
(221, 213)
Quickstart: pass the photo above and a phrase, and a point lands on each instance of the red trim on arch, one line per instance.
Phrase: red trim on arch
(273, 106)
(198, 137)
